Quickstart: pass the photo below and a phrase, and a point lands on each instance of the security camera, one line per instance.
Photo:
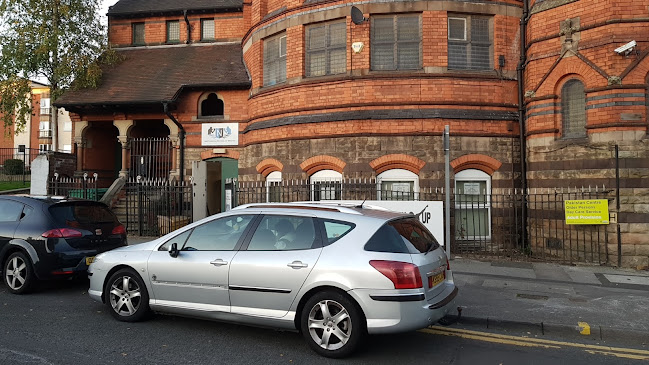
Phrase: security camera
(626, 49)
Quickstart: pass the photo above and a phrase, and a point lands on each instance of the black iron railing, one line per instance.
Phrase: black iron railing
(75, 187)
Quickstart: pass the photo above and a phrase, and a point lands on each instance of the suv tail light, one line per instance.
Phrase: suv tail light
(62, 233)
(119, 230)
(403, 275)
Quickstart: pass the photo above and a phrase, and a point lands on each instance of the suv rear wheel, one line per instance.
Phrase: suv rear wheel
(18, 273)
(332, 324)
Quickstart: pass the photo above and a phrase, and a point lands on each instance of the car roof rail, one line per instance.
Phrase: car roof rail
(331, 207)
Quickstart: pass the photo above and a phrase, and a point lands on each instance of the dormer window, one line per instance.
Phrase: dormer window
(212, 106)
(138, 33)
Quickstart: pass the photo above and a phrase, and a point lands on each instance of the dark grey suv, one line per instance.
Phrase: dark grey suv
(48, 237)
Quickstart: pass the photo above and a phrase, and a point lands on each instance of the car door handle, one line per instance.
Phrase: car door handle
(297, 265)
(218, 262)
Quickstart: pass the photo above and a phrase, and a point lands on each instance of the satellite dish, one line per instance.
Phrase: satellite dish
(357, 16)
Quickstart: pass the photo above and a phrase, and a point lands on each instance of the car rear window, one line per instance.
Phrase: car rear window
(406, 235)
(81, 214)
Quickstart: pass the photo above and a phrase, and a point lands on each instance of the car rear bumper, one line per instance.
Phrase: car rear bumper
(404, 311)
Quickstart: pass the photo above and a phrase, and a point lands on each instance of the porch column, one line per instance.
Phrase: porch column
(123, 127)
(175, 143)
(80, 143)
(124, 140)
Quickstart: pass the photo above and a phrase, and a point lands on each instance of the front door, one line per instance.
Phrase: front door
(198, 277)
(266, 276)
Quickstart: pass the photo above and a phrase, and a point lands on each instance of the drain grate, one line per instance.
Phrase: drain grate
(532, 296)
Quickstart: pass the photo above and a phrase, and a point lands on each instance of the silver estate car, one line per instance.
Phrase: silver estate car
(335, 273)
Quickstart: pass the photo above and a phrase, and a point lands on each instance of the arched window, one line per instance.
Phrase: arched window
(326, 185)
(472, 205)
(212, 106)
(274, 187)
(573, 109)
(397, 184)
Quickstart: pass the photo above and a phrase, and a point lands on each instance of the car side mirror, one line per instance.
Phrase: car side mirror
(173, 250)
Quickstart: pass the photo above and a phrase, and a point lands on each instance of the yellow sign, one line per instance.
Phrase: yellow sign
(586, 211)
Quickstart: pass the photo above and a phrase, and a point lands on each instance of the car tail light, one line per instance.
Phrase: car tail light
(62, 272)
(448, 265)
(403, 275)
(119, 230)
(62, 233)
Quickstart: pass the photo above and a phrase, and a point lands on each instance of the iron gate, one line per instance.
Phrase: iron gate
(151, 158)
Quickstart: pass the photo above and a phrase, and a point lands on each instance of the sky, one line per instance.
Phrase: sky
(104, 6)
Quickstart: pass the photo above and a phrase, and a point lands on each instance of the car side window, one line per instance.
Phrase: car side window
(10, 211)
(220, 234)
(335, 230)
(27, 210)
(179, 240)
(283, 233)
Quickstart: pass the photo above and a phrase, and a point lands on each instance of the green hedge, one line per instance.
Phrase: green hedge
(14, 166)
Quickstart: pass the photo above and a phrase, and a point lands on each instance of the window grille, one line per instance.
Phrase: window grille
(138, 33)
(173, 31)
(396, 42)
(469, 42)
(207, 29)
(573, 109)
(326, 49)
(275, 60)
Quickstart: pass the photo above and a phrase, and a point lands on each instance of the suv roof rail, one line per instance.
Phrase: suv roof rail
(331, 207)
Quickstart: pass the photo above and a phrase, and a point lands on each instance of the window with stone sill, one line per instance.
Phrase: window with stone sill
(397, 184)
(472, 205)
(470, 42)
(274, 187)
(326, 49)
(211, 106)
(138, 33)
(275, 59)
(395, 42)
(573, 110)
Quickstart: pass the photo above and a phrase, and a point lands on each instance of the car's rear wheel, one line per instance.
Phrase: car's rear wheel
(128, 298)
(18, 273)
(332, 324)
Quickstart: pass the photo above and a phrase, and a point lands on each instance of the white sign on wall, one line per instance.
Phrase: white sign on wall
(430, 213)
(220, 134)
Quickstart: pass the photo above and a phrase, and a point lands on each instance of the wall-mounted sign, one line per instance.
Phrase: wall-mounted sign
(593, 211)
(357, 47)
(220, 134)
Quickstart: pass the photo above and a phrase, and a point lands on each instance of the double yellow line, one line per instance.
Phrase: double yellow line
(537, 342)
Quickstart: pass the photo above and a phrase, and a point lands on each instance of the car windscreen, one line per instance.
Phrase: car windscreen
(405, 235)
(82, 214)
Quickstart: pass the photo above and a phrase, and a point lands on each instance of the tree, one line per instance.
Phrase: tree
(59, 41)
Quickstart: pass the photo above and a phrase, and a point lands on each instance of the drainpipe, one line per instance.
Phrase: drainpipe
(189, 28)
(181, 136)
(521, 117)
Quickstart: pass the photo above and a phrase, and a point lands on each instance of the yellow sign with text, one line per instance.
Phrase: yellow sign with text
(593, 211)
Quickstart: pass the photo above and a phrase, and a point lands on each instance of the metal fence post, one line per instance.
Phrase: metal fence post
(139, 205)
(447, 184)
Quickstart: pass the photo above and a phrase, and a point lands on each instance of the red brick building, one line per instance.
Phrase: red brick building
(313, 95)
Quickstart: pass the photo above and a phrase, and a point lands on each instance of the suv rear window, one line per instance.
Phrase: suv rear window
(81, 214)
(406, 235)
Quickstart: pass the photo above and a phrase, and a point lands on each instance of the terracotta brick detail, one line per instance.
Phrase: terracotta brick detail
(476, 161)
(207, 154)
(397, 161)
(269, 165)
(322, 162)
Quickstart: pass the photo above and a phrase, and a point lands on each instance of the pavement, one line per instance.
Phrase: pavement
(587, 303)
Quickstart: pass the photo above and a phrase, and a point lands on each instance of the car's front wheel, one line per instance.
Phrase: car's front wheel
(127, 296)
(332, 324)
(18, 273)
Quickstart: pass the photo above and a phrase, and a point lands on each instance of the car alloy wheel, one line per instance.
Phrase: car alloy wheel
(18, 273)
(332, 324)
(127, 296)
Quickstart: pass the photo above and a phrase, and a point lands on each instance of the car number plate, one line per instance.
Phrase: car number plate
(435, 280)
(89, 260)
